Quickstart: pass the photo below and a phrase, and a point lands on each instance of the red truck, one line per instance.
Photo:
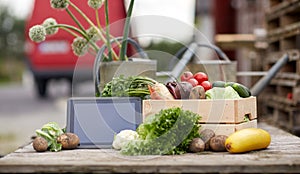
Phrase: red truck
(54, 58)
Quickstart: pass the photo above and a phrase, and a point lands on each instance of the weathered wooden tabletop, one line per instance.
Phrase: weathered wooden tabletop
(282, 156)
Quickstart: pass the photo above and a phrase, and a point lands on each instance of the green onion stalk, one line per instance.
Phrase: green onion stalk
(126, 31)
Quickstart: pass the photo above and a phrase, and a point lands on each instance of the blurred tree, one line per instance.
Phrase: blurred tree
(11, 45)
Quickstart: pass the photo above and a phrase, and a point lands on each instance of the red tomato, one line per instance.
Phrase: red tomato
(206, 85)
(193, 82)
(200, 77)
(186, 76)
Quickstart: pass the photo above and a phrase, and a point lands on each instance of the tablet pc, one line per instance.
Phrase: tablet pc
(97, 120)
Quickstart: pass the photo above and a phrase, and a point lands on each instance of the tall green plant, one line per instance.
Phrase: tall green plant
(126, 31)
(84, 39)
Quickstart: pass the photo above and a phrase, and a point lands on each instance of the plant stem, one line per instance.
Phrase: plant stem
(108, 44)
(126, 31)
(69, 29)
(101, 29)
(75, 20)
(97, 18)
(92, 24)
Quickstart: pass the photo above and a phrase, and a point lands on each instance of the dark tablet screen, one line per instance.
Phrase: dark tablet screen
(97, 120)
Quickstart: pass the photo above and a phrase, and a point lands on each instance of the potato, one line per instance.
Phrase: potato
(68, 140)
(217, 143)
(206, 135)
(40, 144)
(197, 145)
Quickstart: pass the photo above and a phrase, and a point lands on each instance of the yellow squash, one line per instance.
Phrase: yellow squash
(247, 140)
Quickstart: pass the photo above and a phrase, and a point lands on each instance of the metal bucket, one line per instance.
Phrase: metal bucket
(105, 71)
(216, 69)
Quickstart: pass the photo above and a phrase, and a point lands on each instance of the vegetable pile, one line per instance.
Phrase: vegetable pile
(168, 132)
(197, 86)
(191, 86)
(52, 137)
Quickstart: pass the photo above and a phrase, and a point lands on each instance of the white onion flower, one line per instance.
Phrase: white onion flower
(80, 46)
(96, 4)
(59, 4)
(37, 33)
(92, 34)
(48, 23)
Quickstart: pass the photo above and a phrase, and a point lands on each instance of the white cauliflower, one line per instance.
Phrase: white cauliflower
(123, 137)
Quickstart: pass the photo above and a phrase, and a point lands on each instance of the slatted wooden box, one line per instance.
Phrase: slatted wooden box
(222, 116)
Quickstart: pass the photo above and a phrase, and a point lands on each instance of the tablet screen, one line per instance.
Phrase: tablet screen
(97, 120)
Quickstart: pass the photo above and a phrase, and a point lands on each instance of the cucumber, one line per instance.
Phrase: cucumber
(242, 90)
(229, 84)
(219, 84)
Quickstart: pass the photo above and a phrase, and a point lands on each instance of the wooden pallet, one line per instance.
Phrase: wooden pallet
(282, 115)
(282, 104)
(278, 4)
(283, 23)
(282, 13)
(274, 56)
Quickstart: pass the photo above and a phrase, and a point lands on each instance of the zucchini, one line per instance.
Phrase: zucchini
(247, 139)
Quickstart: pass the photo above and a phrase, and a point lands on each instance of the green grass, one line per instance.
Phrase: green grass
(7, 137)
(11, 71)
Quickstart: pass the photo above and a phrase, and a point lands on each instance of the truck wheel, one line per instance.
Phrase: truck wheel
(41, 85)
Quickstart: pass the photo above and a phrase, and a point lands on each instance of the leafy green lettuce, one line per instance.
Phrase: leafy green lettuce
(168, 132)
(50, 132)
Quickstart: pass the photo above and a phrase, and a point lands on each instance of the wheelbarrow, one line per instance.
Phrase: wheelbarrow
(189, 52)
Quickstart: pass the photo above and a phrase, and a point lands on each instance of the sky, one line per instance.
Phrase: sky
(20, 8)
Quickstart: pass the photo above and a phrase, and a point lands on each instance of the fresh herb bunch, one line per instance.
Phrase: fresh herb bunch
(167, 133)
(132, 86)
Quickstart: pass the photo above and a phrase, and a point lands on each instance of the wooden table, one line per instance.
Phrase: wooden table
(282, 156)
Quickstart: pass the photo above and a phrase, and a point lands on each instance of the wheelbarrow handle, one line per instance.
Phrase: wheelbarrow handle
(264, 81)
(99, 57)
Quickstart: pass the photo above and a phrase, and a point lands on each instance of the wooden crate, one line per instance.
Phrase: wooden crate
(224, 116)
(227, 129)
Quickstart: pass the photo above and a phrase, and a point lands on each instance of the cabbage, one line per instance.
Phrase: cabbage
(222, 93)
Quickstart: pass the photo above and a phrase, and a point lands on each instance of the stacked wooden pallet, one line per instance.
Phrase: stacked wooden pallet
(282, 103)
